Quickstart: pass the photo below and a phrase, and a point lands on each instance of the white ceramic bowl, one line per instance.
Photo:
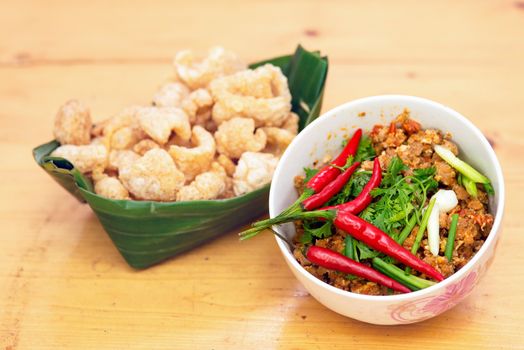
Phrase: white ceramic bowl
(313, 143)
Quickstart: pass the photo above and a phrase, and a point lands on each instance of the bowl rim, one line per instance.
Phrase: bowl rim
(399, 99)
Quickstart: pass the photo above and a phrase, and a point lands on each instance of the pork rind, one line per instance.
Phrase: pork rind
(110, 187)
(198, 106)
(213, 114)
(119, 159)
(145, 145)
(253, 171)
(208, 185)
(158, 123)
(123, 130)
(291, 123)
(126, 117)
(261, 94)
(277, 140)
(97, 130)
(237, 136)
(226, 163)
(196, 160)
(171, 95)
(229, 191)
(73, 124)
(125, 137)
(85, 158)
(198, 74)
(153, 177)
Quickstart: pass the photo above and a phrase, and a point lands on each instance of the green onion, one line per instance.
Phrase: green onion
(421, 230)
(461, 166)
(470, 186)
(349, 250)
(357, 259)
(489, 189)
(407, 229)
(451, 236)
(459, 179)
(423, 225)
(410, 281)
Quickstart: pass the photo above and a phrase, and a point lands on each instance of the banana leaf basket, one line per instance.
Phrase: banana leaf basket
(148, 232)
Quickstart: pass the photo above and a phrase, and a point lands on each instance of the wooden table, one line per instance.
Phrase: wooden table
(62, 282)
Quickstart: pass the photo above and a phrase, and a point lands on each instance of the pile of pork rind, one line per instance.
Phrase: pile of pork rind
(216, 130)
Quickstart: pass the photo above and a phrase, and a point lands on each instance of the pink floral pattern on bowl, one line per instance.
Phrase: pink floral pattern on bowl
(428, 307)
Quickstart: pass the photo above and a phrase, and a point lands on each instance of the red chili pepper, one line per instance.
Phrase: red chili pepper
(378, 240)
(330, 190)
(331, 171)
(360, 202)
(376, 129)
(392, 128)
(338, 262)
(317, 183)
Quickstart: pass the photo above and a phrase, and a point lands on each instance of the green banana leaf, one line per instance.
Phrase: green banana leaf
(147, 232)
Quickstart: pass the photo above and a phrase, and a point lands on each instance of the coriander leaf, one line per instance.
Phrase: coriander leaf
(424, 173)
(368, 213)
(351, 189)
(306, 238)
(349, 162)
(431, 185)
(365, 150)
(396, 165)
(401, 214)
(313, 229)
(426, 176)
(310, 172)
(398, 196)
(365, 252)
(358, 181)
(380, 220)
(389, 260)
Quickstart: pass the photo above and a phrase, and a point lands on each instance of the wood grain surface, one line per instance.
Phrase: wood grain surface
(63, 285)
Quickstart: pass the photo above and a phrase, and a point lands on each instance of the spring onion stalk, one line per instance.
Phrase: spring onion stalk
(459, 179)
(410, 281)
(423, 226)
(407, 229)
(445, 200)
(459, 165)
(421, 229)
(434, 230)
(451, 236)
(349, 250)
(470, 186)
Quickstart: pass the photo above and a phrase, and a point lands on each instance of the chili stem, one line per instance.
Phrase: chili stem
(292, 209)
(407, 229)
(394, 272)
(318, 214)
(451, 236)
